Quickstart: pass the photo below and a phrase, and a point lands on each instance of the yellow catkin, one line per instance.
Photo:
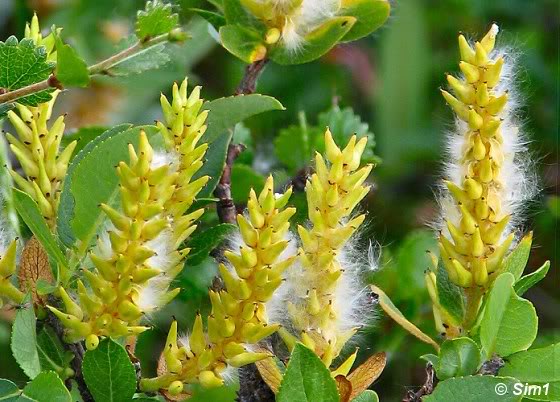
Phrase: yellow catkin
(333, 192)
(238, 318)
(37, 144)
(135, 266)
(475, 245)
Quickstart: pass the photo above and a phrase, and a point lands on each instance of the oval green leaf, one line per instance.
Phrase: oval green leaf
(108, 372)
(458, 357)
(307, 379)
(509, 323)
(475, 389)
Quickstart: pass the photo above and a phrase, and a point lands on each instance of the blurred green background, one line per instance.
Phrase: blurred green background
(391, 81)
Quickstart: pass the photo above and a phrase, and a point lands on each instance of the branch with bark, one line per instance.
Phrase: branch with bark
(101, 68)
(225, 206)
(248, 83)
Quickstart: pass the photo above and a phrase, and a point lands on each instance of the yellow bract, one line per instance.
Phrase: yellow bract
(476, 245)
(7, 269)
(238, 316)
(333, 192)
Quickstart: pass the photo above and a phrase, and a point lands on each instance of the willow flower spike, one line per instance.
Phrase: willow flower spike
(487, 180)
(324, 296)
(141, 254)
(37, 145)
(239, 318)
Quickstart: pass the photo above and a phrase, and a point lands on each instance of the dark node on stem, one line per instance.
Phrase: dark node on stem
(54, 82)
(492, 366)
(299, 181)
(426, 389)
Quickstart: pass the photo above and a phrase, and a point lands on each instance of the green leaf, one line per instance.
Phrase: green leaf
(548, 391)
(71, 69)
(316, 43)
(202, 243)
(535, 365)
(528, 281)
(108, 372)
(458, 357)
(241, 41)
(450, 295)
(215, 19)
(474, 389)
(516, 261)
(367, 396)
(83, 136)
(47, 386)
(306, 379)
(215, 162)
(51, 352)
(509, 323)
(148, 58)
(224, 114)
(24, 340)
(431, 358)
(294, 145)
(156, 19)
(393, 312)
(235, 13)
(24, 64)
(370, 15)
(29, 211)
(5, 108)
(92, 180)
(9, 392)
(243, 179)
(227, 112)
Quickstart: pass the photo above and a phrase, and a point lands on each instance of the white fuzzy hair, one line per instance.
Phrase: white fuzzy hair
(161, 158)
(309, 16)
(350, 299)
(517, 174)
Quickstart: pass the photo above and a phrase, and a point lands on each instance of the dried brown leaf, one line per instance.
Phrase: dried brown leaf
(365, 374)
(270, 373)
(34, 265)
(344, 388)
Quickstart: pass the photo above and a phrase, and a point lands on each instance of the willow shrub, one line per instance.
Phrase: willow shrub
(106, 222)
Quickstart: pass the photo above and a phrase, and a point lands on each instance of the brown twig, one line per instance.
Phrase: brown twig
(77, 349)
(98, 68)
(426, 389)
(225, 206)
(248, 83)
